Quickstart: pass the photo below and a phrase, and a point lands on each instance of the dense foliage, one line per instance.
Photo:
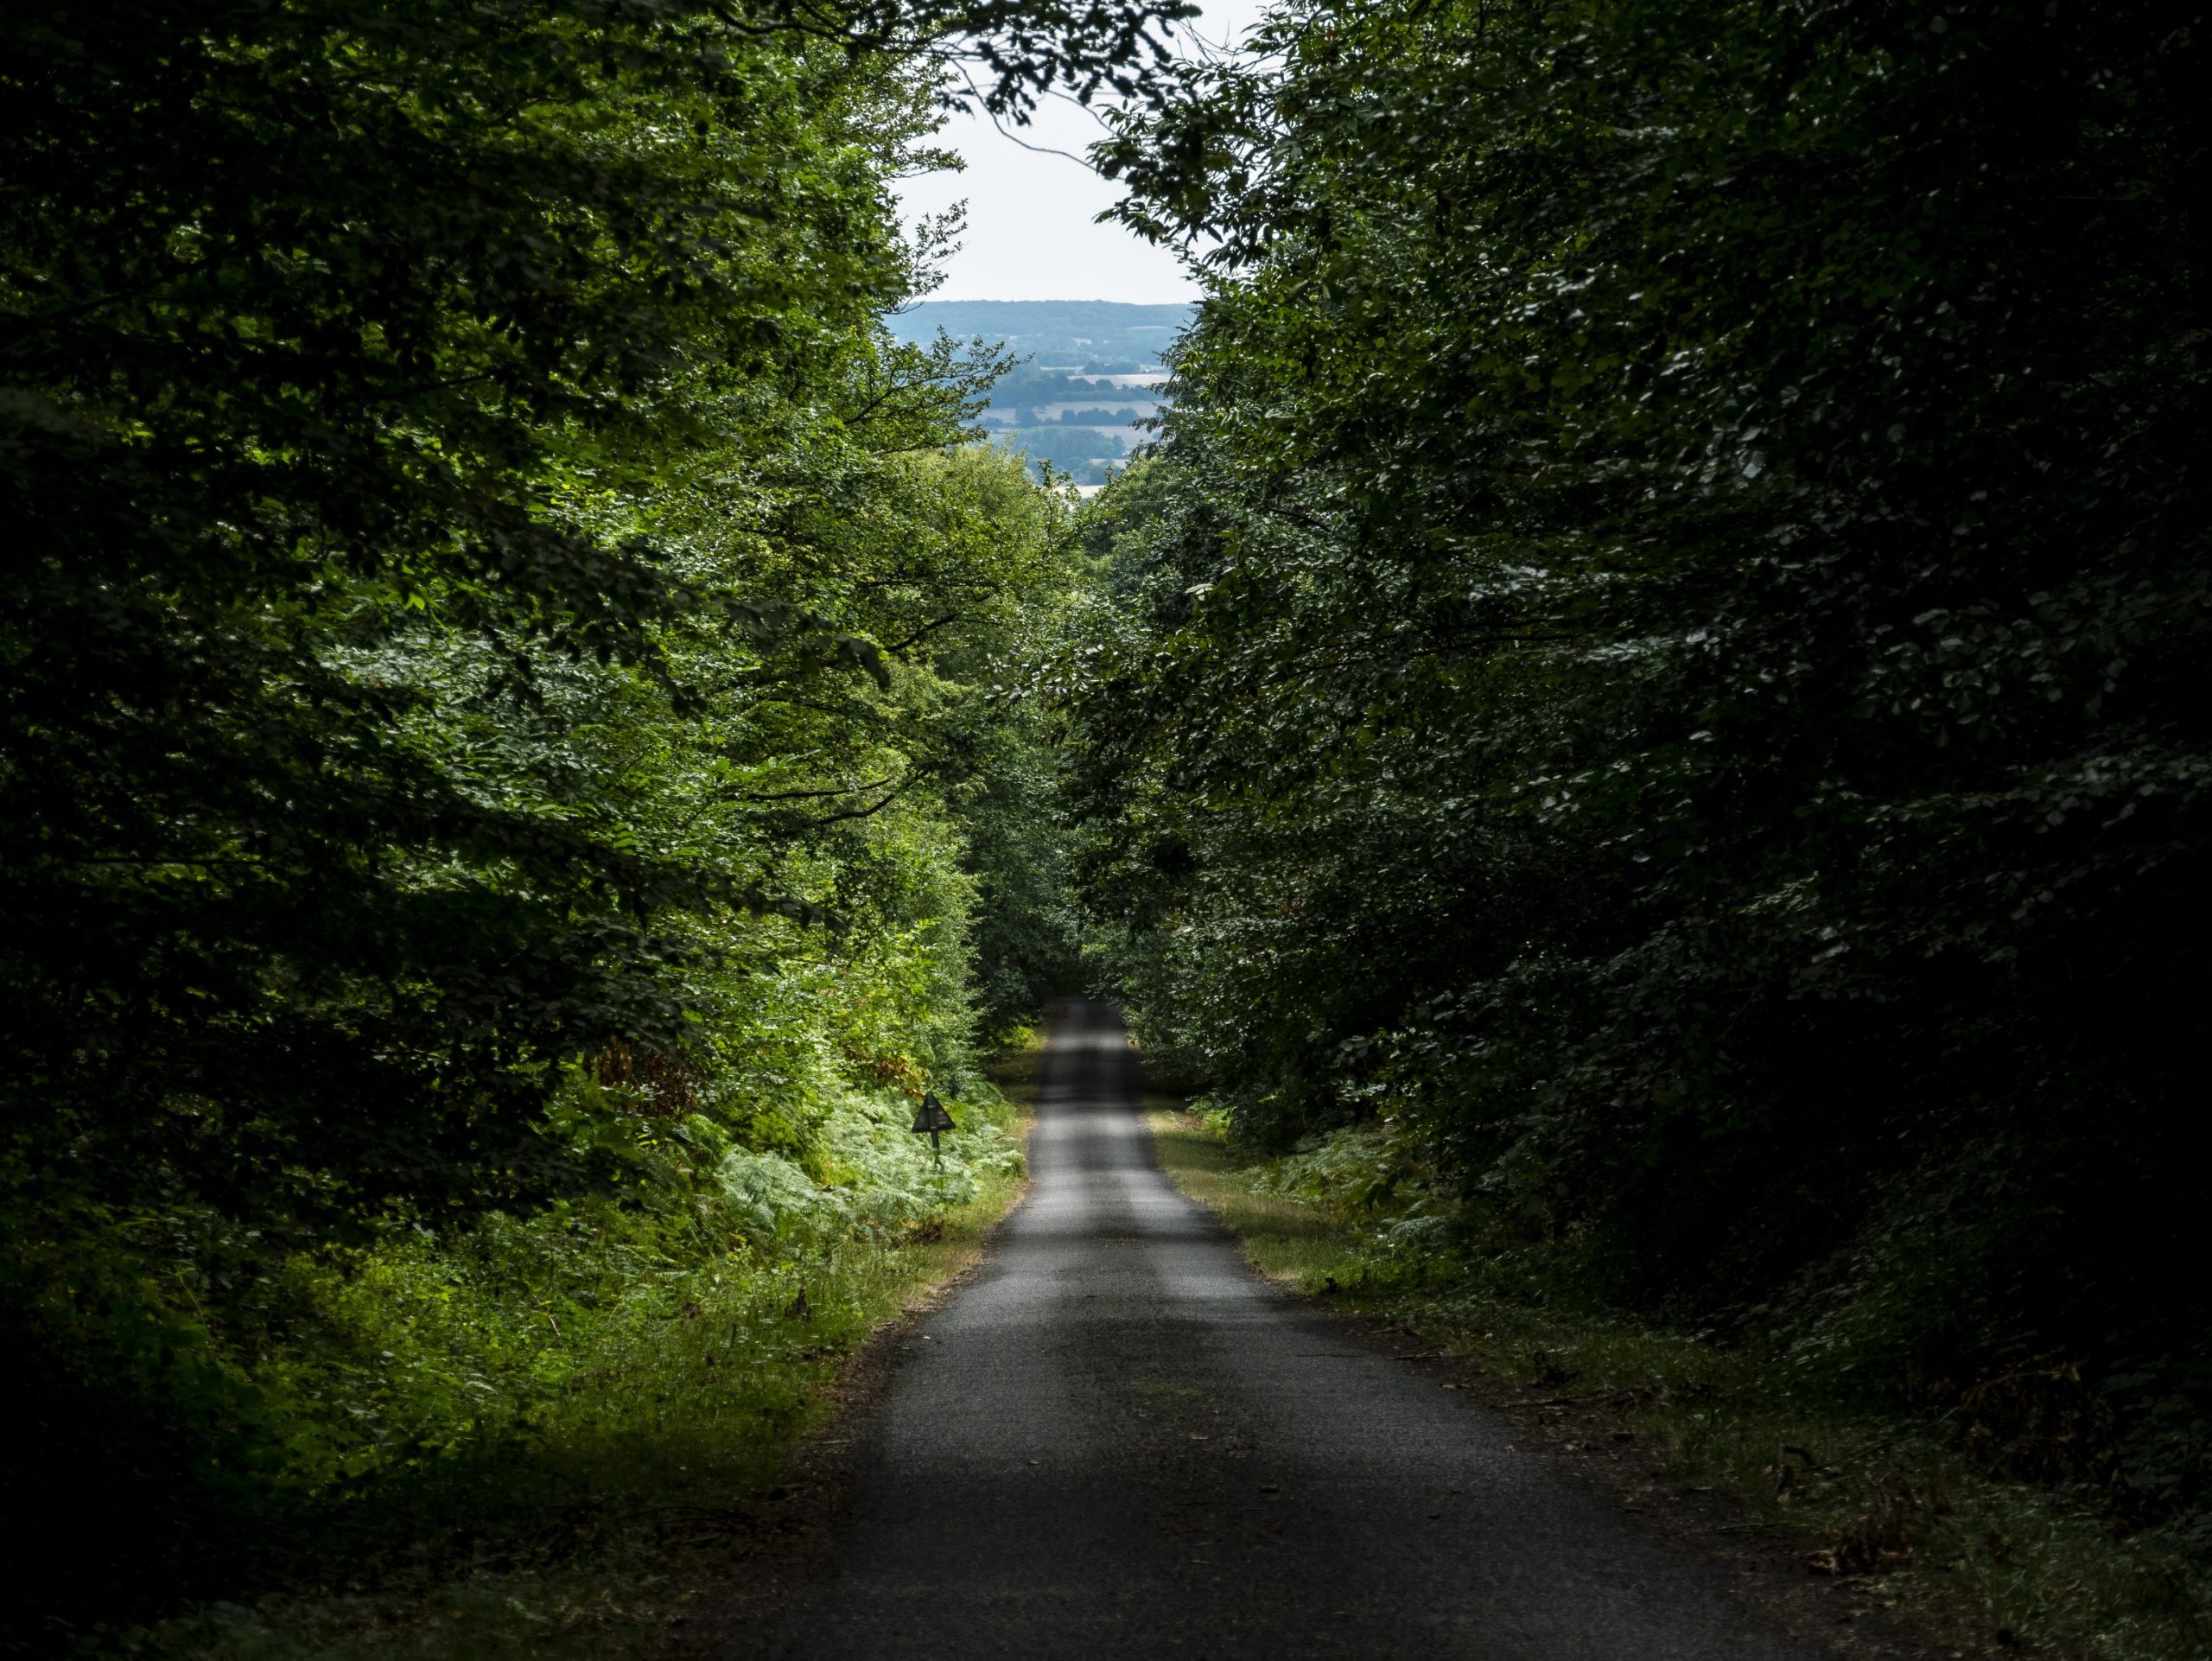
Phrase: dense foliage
(1648, 712)
(499, 643)
(1664, 657)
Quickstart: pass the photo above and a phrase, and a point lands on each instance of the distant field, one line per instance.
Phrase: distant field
(1095, 340)
(1031, 415)
(1057, 332)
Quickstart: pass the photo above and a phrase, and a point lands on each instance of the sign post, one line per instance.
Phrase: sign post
(932, 1116)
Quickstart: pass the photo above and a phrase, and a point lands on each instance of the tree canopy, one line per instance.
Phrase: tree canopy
(1663, 652)
(497, 641)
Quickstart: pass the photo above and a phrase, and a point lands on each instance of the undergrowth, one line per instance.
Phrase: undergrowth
(1895, 1500)
(538, 1438)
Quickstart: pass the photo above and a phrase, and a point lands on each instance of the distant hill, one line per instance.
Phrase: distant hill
(1103, 336)
(1060, 406)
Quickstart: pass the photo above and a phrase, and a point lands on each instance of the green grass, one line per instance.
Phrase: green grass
(1286, 1239)
(587, 1533)
(1991, 1567)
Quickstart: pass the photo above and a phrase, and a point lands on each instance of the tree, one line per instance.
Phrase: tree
(467, 539)
(1665, 646)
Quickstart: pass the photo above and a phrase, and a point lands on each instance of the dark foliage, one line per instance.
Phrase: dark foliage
(1668, 653)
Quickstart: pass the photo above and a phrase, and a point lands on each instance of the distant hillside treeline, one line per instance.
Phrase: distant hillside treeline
(1050, 405)
(1059, 333)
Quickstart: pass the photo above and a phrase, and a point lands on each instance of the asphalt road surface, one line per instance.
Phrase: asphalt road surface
(1116, 1441)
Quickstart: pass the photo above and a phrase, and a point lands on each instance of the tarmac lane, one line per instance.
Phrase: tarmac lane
(1117, 1440)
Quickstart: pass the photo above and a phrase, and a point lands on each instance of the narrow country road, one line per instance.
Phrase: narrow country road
(1116, 1441)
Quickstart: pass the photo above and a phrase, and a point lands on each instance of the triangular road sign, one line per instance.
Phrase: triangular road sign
(930, 1115)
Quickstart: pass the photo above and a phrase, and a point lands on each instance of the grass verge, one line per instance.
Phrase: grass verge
(588, 1539)
(1881, 1502)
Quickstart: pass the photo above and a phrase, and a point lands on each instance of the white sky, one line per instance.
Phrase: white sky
(1030, 235)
